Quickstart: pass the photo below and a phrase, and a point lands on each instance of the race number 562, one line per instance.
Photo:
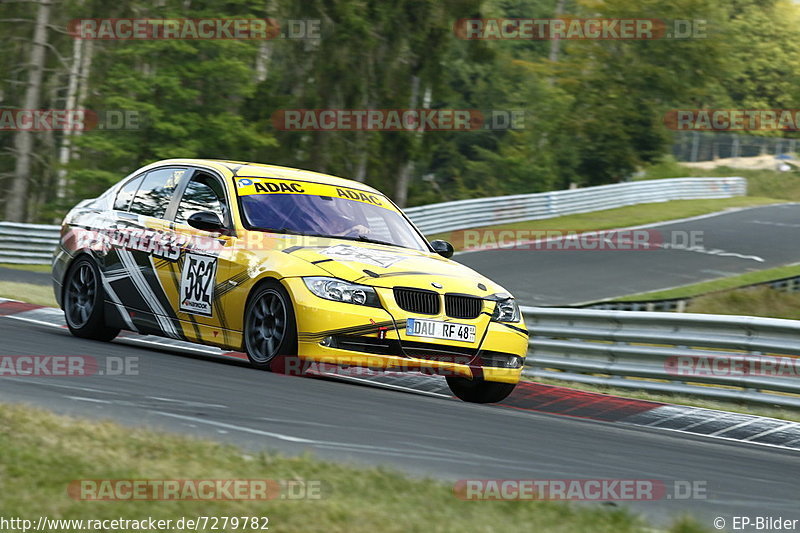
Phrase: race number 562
(197, 284)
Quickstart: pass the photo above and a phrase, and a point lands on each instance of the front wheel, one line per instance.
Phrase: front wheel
(83, 302)
(270, 330)
(478, 390)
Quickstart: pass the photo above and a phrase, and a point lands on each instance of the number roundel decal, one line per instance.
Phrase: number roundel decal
(197, 284)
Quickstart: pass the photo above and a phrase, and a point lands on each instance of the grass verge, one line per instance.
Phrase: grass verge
(42, 453)
(756, 301)
(721, 284)
(783, 413)
(28, 292)
(29, 268)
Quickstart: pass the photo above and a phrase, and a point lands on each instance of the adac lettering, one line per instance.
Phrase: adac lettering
(279, 187)
(357, 195)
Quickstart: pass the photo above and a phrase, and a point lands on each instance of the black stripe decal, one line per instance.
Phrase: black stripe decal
(515, 328)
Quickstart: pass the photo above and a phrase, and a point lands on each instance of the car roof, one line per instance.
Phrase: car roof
(244, 169)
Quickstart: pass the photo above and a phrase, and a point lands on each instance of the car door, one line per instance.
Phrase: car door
(194, 283)
(140, 239)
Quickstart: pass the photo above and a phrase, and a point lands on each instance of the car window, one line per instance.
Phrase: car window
(155, 193)
(324, 210)
(203, 193)
(126, 192)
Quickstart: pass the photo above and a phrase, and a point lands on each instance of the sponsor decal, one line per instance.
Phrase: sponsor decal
(344, 252)
(247, 187)
(160, 244)
(197, 284)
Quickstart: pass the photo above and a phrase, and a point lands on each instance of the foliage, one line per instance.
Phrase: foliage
(593, 109)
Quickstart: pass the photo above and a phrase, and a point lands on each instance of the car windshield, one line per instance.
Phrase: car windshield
(304, 208)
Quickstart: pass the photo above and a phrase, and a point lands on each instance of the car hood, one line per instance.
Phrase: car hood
(390, 266)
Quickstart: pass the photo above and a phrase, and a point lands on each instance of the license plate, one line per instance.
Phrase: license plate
(437, 329)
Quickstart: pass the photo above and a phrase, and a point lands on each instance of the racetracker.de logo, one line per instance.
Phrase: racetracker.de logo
(733, 366)
(377, 119)
(580, 29)
(195, 489)
(579, 489)
(37, 120)
(127, 29)
(444, 365)
(733, 119)
(623, 240)
(70, 366)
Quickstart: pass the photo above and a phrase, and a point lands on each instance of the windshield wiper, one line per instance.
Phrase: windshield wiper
(364, 238)
(360, 238)
(288, 231)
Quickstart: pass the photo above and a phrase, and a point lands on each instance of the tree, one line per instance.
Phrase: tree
(23, 139)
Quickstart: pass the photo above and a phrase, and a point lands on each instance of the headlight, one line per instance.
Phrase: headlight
(342, 291)
(506, 311)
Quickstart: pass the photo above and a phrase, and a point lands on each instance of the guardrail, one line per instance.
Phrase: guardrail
(34, 243)
(715, 356)
(465, 214)
(27, 243)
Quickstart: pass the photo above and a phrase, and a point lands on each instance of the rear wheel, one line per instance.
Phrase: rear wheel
(478, 390)
(83, 302)
(270, 331)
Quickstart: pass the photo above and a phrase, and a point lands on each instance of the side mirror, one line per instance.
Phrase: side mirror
(205, 220)
(443, 248)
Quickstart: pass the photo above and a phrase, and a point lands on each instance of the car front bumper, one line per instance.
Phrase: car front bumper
(344, 334)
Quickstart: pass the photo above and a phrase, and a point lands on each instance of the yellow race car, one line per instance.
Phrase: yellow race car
(283, 264)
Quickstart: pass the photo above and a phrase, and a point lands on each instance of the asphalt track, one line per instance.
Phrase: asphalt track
(732, 243)
(422, 435)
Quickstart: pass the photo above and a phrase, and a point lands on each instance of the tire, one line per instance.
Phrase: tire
(83, 300)
(478, 390)
(270, 328)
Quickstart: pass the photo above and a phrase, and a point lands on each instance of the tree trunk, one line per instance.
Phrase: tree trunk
(404, 176)
(407, 171)
(65, 150)
(555, 43)
(23, 140)
(361, 149)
